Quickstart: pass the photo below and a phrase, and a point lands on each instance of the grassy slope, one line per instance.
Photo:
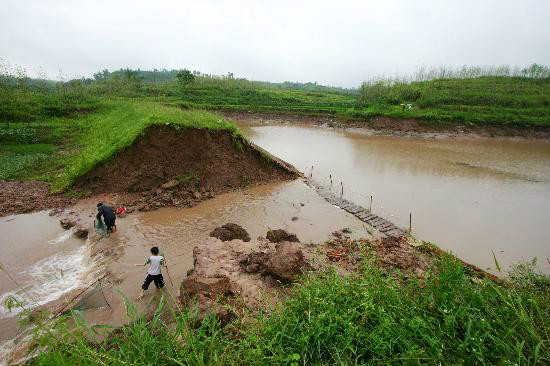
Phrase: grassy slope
(367, 318)
(58, 150)
(500, 101)
(257, 98)
(503, 101)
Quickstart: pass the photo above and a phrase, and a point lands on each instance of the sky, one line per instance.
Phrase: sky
(340, 43)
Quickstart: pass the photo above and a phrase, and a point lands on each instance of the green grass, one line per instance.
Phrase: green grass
(367, 318)
(78, 143)
(499, 101)
(516, 102)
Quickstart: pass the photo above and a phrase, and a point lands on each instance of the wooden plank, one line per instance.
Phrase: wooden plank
(373, 218)
(385, 226)
(355, 209)
(377, 221)
(388, 228)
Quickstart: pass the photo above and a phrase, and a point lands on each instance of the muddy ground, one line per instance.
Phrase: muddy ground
(394, 127)
(164, 167)
(18, 197)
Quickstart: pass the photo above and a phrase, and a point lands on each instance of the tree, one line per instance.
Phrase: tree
(536, 71)
(185, 77)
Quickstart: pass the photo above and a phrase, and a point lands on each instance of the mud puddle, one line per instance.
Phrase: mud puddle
(470, 196)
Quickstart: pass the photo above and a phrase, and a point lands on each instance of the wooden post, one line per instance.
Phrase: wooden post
(330, 175)
(410, 222)
(342, 193)
(370, 207)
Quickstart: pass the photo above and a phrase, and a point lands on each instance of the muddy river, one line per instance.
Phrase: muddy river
(470, 196)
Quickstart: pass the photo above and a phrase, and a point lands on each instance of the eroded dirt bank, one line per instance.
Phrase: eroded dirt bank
(169, 167)
(394, 127)
(164, 167)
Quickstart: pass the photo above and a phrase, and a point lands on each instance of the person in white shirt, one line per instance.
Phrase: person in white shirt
(153, 273)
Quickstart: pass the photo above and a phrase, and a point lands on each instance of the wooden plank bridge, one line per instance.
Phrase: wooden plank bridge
(379, 223)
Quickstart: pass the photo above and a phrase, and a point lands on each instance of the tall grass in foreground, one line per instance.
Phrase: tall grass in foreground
(368, 318)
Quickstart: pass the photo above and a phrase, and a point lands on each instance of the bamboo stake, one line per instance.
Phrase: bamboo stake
(166, 265)
(370, 207)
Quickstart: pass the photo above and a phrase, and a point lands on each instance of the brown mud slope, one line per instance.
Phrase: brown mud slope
(169, 167)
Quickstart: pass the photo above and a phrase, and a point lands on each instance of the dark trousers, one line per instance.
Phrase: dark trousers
(159, 281)
(110, 223)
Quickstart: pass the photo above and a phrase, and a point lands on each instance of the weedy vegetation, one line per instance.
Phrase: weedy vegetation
(368, 318)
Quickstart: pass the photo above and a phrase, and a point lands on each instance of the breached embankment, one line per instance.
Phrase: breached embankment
(165, 166)
(181, 167)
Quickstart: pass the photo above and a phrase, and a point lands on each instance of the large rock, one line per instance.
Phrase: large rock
(67, 223)
(280, 235)
(211, 287)
(288, 262)
(229, 232)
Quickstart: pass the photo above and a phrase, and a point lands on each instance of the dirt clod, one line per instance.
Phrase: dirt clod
(211, 287)
(67, 223)
(230, 231)
(280, 235)
(81, 232)
(288, 262)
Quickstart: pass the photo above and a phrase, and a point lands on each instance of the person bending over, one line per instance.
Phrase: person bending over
(154, 273)
(108, 216)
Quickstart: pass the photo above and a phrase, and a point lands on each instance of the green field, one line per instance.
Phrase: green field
(498, 101)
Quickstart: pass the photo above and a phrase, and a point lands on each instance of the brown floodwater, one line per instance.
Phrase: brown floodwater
(49, 263)
(471, 196)
(45, 261)
(176, 231)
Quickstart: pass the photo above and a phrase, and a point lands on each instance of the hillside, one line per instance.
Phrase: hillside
(507, 101)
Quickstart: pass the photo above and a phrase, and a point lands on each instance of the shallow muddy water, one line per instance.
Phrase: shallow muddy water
(49, 262)
(470, 196)
(46, 261)
(176, 231)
